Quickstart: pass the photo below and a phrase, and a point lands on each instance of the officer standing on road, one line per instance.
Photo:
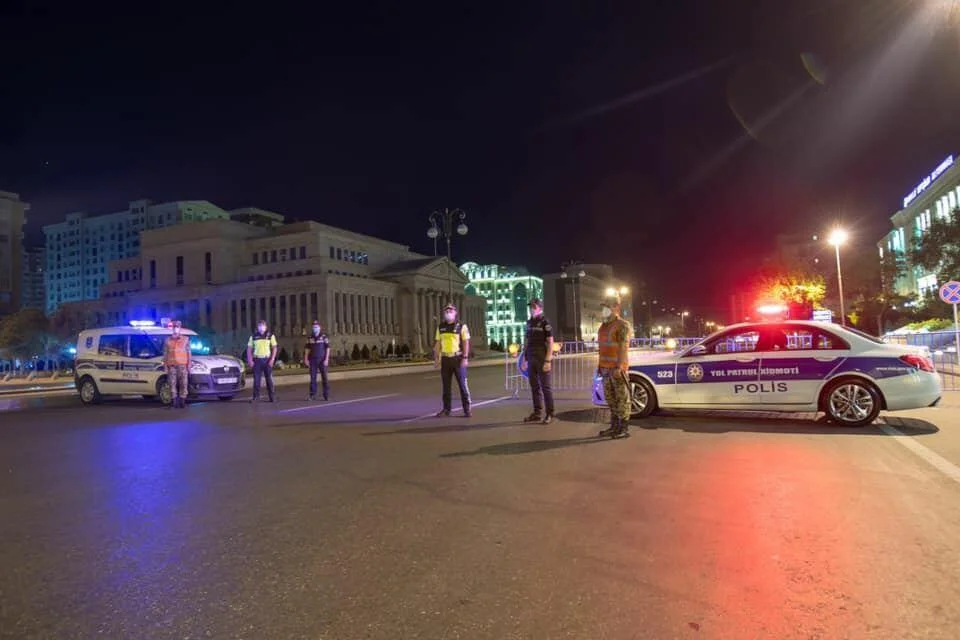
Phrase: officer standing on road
(614, 346)
(316, 356)
(537, 357)
(176, 358)
(261, 354)
(451, 352)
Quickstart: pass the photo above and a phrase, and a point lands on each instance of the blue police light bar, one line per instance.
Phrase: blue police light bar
(72, 351)
(142, 323)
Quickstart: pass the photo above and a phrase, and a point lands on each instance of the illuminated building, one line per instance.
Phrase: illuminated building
(934, 197)
(224, 275)
(508, 291)
(12, 218)
(80, 247)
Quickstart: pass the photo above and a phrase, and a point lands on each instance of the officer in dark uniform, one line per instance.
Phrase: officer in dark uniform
(537, 357)
(316, 356)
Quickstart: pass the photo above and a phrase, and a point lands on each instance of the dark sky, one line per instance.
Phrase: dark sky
(370, 115)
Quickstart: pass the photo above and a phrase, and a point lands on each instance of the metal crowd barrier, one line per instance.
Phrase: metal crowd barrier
(574, 363)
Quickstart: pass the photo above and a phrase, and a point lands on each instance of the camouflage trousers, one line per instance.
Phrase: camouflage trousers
(616, 391)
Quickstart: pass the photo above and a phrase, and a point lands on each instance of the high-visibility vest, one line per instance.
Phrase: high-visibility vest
(178, 351)
(609, 338)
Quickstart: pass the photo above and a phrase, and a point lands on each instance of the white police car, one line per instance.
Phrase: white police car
(789, 366)
(118, 361)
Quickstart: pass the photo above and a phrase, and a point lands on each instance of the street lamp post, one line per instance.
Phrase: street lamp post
(838, 237)
(683, 325)
(575, 282)
(441, 224)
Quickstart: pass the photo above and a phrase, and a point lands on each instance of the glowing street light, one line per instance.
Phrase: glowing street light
(838, 237)
(441, 226)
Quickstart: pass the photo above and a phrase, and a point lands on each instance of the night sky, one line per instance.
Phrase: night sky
(674, 143)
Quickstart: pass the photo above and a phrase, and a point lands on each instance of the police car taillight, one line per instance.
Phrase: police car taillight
(919, 362)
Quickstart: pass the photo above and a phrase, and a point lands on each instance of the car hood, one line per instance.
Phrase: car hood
(218, 361)
(653, 359)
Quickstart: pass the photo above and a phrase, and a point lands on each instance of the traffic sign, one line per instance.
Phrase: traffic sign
(950, 292)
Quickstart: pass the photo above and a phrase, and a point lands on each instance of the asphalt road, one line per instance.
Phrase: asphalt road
(362, 518)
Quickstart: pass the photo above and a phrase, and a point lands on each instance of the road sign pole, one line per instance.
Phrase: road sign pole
(956, 331)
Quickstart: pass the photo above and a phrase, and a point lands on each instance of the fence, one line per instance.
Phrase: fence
(575, 363)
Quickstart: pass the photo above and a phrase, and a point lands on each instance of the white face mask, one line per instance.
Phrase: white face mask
(535, 312)
(176, 332)
(316, 331)
(606, 312)
(450, 316)
(262, 328)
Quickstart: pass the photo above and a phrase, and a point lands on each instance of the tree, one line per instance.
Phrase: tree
(25, 334)
(938, 250)
(389, 349)
(355, 354)
(778, 285)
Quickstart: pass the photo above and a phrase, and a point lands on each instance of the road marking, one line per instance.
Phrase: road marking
(937, 461)
(476, 404)
(335, 404)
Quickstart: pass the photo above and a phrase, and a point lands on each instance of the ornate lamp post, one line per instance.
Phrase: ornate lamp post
(441, 224)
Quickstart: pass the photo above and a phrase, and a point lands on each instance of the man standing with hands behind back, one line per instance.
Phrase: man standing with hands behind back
(451, 352)
(316, 357)
(614, 363)
(537, 357)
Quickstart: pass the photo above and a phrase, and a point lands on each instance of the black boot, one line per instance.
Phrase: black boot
(533, 417)
(613, 428)
(623, 430)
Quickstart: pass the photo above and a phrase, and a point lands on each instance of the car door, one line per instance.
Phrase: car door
(111, 350)
(795, 363)
(720, 372)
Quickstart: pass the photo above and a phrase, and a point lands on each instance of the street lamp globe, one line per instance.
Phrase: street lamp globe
(624, 291)
(462, 229)
(611, 291)
(432, 233)
(837, 237)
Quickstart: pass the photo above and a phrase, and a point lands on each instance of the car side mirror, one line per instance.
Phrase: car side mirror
(698, 350)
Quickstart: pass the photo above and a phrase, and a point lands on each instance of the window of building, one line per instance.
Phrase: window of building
(263, 257)
(208, 267)
(339, 254)
(179, 270)
(332, 252)
(243, 313)
(273, 256)
(256, 258)
(153, 274)
(303, 253)
(283, 255)
(293, 253)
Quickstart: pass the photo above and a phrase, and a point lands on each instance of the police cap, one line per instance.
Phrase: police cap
(450, 307)
(610, 301)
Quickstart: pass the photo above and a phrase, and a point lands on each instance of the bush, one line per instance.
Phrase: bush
(389, 349)
(355, 354)
(403, 350)
(934, 324)
(365, 352)
(283, 356)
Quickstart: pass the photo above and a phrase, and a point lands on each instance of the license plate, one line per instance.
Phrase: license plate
(227, 381)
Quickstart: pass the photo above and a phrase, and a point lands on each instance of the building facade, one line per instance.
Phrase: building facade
(224, 275)
(32, 289)
(572, 301)
(13, 216)
(934, 198)
(80, 247)
(507, 291)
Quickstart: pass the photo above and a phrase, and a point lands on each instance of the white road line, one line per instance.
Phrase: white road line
(476, 404)
(335, 404)
(940, 463)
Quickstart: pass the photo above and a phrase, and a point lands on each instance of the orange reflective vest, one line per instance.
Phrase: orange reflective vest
(610, 337)
(177, 352)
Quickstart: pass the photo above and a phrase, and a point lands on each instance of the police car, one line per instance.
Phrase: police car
(118, 361)
(788, 366)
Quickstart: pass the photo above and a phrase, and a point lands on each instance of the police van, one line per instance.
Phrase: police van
(121, 361)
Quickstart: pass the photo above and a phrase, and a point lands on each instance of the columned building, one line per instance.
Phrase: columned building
(13, 216)
(934, 198)
(507, 291)
(224, 275)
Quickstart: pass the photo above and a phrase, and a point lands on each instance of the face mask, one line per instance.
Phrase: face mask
(316, 331)
(262, 328)
(450, 316)
(176, 333)
(606, 312)
(535, 312)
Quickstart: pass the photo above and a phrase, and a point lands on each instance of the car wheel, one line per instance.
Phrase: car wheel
(225, 398)
(643, 399)
(851, 403)
(89, 393)
(164, 392)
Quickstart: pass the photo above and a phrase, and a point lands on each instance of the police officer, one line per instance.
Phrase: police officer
(614, 361)
(316, 356)
(261, 354)
(537, 357)
(451, 352)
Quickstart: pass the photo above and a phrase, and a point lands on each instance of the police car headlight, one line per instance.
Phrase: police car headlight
(198, 367)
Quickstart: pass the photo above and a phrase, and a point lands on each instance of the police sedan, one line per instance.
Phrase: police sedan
(789, 366)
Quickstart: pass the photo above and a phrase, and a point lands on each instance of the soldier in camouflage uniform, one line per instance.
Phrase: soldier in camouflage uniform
(614, 348)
